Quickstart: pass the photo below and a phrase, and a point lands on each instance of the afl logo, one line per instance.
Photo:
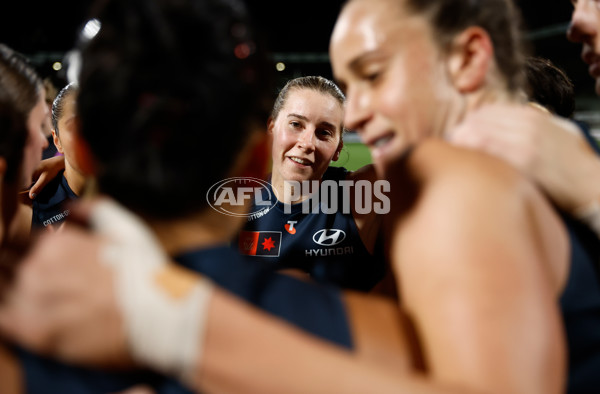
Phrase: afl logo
(228, 195)
(329, 237)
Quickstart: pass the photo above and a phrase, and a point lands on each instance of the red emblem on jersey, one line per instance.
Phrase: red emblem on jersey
(289, 227)
(259, 243)
(268, 244)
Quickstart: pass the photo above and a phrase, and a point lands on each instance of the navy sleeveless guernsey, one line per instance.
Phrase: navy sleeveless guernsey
(49, 206)
(580, 301)
(326, 246)
(580, 305)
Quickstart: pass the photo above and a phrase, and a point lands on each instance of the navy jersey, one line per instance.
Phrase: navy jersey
(45, 376)
(313, 308)
(49, 206)
(325, 245)
(580, 303)
(580, 306)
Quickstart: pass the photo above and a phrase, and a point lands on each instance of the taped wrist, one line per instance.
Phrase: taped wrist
(164, 306)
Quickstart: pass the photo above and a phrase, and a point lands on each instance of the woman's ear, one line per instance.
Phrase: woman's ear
(270, 125)
(471, 56)
(338, 151)
(57, 142)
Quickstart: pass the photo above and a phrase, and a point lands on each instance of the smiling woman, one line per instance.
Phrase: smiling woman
(316, 225)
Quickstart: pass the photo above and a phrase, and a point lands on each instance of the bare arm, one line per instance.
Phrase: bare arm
(547, 149)
(268, 356)
(476, 259)
(46, 171)
(65, 307)
(64, 304)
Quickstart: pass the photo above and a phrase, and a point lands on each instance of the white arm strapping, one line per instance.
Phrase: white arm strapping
(165, 331)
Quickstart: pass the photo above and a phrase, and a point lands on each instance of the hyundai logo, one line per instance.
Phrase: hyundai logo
(329, 237)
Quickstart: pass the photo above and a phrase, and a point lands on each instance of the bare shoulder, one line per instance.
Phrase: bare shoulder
(466, 203)
(476, 251)
(440, 162)
(454, 174)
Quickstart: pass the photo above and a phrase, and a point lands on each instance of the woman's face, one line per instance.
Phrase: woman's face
(36, 141)
(306, 135)
(67, 134)
(585, 28)
(393, 75)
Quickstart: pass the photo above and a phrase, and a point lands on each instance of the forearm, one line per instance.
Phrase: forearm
(585, 204)
(246, 351)
(381, 333)
(585, 183)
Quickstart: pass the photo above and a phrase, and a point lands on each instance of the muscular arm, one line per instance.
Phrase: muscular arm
(479, 259)
(242, 349)
(67, 309)
(268, 356)
(47, 170)
(547, 149)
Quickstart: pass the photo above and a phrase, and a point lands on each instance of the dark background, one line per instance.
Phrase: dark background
(297, 32)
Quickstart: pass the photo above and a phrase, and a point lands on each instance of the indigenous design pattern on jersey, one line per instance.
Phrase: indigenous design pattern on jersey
(260, 243)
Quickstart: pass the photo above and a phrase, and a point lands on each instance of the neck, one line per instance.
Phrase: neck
(203, 230)
(481, 98)
(75, 179)
(494, 96)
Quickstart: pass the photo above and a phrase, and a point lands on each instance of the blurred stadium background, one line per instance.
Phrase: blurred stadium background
(298, 35)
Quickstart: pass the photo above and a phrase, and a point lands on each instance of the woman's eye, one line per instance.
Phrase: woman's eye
(372, 76)
(325, 133)
(295, 124)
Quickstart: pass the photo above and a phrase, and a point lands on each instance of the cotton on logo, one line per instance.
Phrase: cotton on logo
(229, 196)
(329, 237)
